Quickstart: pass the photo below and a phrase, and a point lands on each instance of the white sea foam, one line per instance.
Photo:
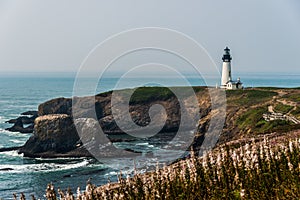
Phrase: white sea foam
(17, 141)
(13, 134)
(11, 153)
(62, 158)
(43, 167)
(142, 144)
(76, 165)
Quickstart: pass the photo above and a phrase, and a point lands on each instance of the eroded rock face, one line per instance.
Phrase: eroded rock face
(52, 133)
(56, 106)
(55, 133)
(99, 108)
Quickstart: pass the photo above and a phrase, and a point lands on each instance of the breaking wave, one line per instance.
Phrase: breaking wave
(41, 167)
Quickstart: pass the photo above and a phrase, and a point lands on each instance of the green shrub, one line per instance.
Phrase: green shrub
(283, 108)
(296, 112)
(292, 97)
(146, 94)
(252, 118)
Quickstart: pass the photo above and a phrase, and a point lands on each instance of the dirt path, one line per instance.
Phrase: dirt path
(285, 102)
(287, 116)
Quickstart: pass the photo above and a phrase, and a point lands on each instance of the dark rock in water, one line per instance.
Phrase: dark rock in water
(30, 112)
(9, 149)
(6, 169)
(19, 125)
(11, 121)
(53, 134)
(67, 176)
(21, 121)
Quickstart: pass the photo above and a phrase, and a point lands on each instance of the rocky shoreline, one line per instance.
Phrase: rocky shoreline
(53, 126)
(54, 132)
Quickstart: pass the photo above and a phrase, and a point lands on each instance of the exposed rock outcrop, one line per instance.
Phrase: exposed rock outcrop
(53, 136)
(56, 106)
(30, 112)
(23, 124)
(55, 133)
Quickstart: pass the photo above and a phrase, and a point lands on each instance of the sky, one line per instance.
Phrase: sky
(56, 36)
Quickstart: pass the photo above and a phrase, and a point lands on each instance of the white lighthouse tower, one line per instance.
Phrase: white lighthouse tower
(226, 81)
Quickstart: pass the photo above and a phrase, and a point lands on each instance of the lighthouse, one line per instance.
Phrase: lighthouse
(227, 81)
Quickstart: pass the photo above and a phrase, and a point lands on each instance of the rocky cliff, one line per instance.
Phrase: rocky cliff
(55, 133)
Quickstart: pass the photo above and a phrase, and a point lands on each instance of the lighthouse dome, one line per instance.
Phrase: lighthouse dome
(226, 55)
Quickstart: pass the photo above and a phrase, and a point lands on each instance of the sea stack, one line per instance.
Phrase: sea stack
(226, 81)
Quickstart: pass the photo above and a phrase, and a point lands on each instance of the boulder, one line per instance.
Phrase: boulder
(52, 134)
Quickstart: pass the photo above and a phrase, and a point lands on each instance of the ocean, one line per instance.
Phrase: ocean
(20, 94)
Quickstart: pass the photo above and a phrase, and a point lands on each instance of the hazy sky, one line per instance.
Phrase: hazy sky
(56, 35)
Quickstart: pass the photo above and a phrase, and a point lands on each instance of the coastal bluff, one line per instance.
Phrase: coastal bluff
(55, 134)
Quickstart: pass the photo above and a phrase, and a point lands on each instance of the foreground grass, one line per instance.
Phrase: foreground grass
(268, 169)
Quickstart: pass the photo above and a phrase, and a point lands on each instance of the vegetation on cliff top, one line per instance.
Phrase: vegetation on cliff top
(146, 94)
(253, 103)
(252, 122)
(248, 97)
(296, 112)
(149, 94)
(292, 97)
